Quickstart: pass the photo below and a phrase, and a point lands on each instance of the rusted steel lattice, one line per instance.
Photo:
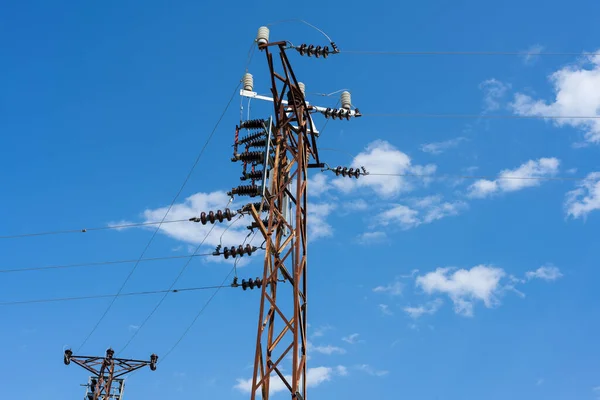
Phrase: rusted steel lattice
(282, 320)
(107, 369)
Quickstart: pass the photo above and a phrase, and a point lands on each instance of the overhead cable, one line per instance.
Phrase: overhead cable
(489, 177)
(100, 296)
(469, 53)
(85, 230)
(98, 263)
(181, 271)
(187, 178)
(476, 116)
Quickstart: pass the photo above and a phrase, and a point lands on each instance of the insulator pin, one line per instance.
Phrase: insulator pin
(302, 88)
(248, 82)
(249, 156)
(262, 36)
(253, 175)
(346, 100)
(212, 217)
(247, 190)
(253, 124)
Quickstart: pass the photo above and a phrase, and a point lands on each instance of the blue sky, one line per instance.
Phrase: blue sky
(419, 288)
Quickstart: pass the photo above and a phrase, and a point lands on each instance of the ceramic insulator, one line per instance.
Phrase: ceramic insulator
(346, 100)
(262, 36)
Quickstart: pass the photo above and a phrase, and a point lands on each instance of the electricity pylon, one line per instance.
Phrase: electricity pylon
(107, 369)
(282, 318)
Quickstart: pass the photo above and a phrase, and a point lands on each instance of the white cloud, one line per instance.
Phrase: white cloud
(464, 287)
(532, 54)
(429, 308)
(425, 211)
(370, 370)
(577, 94)
(547, 273)
(314, 377)
(383, 158)
(328, 350)
(394, 288)
(400, 214)
(543, 167)
(494, 92)
(435, 209)
(371, 237)
(318, 184)
(440, 147)
(320, 331)
(194, 233)
(227, 233)
(356, 205)
(133, 327)
(317, 224)
(385, 309)
(412, 273)
(352, 339)
(586, 198)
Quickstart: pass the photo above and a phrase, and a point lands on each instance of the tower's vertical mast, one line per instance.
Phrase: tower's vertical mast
(282, 327)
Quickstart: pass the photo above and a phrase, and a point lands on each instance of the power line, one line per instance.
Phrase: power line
(491, 177)
(100, 296)
(482, 116)
(201, 311)
(187, 178)
(98, 263)
(469, 53)
(458, 176)
(181, 271)
(85, 230)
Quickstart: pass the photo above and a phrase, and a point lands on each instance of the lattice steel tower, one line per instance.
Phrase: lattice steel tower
(288, 148)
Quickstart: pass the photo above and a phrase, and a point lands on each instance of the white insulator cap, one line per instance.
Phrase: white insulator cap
(346, 100)
(248, 82)
(302, 88)
(263, 35)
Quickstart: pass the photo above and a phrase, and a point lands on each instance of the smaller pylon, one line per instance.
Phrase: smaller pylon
(107, 369)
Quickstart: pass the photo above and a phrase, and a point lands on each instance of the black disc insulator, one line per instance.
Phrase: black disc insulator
(252, 175)
(317, 51)
(258, 142)
(251, 156)
(252, 124)
(251, 137)
(265, 206)
(247, 190)
(344, 171)
(254, 225)
(251, 283)
(212, 217)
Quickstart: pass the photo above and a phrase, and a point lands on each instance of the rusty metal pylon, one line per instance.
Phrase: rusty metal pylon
(282, 318)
